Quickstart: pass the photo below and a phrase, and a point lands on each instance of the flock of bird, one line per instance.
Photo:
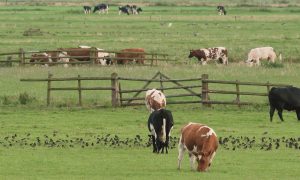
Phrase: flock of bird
(56, 140)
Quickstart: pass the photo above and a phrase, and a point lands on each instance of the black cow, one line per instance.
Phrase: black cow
(221, 10)
(124, 9)
(87, 9)
(160, 124)
(102, 8)
(284, 98)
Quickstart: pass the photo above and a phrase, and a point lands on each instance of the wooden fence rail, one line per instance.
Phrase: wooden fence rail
(201, 91)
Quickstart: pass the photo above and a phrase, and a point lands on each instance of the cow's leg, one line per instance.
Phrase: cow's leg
(298, 114)
(192, 161)
(272, 109)
(181, 150)
(280, 113)
(212, 158)
(154, 144)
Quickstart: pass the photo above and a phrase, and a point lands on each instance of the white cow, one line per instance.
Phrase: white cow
(155, 100)
(257, 54)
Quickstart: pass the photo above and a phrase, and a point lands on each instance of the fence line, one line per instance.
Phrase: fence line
(21, 57)
(118, 99)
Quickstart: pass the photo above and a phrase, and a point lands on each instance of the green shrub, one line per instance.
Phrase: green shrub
(24, 98)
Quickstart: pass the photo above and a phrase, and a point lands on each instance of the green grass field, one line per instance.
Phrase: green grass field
(192, 27)
(26, 151)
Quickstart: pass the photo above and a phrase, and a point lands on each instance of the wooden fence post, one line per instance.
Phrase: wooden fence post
(161, 83)
(120, 94)
(22, 57)
(205, 90)
(115, 101)
(237, 93)
(93, 55)
(49, 88)
(79, 91)
(8, 61)
(152, 59)
(268, 87)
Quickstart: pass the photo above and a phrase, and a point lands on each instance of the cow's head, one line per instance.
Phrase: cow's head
(250, 62)
(204, 161)
(192, 53)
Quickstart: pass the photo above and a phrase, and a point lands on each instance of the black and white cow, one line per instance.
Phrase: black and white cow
(87, 9)
(160, 124)
(124, 10)
(135, 10)
(206, 54)
(221, 10)
(101, 8)
(284, 98)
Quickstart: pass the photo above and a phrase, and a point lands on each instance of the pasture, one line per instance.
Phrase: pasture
(171, 30)
(64, 141)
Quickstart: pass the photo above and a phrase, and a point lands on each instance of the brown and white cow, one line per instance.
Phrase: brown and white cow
(50, 56)
(155, 100)
(103, 57)
(130, 55)
(257, 54)
(201, 143)
(206, 54)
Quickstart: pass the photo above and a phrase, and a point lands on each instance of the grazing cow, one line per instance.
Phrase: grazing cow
(221, 10)
(201, 142)
(103, 58)
(160, 124)
(206, 54)
(87, 9)
(101, 8)
(284, 98)
(124, 9)
(155, 100)
(83, 53)
(41, 57)
(50, 56)
(130, 55)
(135, 10)
(255, 55)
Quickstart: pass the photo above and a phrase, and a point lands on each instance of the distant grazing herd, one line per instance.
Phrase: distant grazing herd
(130, 9)
(103, 9)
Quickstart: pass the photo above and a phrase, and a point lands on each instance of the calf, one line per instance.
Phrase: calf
(155, 100)
(160, 124)
(221, 10)
(201, 142)
(257, 54)
(206, 54)
(284, 98)
(87, 9)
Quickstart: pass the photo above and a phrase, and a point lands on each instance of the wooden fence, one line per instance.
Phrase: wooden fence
(22, 57)
(200, 89)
